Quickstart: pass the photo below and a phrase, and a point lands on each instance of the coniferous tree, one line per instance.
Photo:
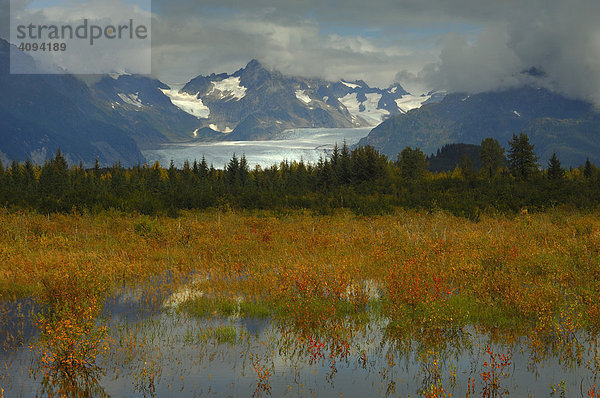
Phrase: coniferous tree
(204, 169)
(345, 169)
(54, 177)
(154, 182)
(29, 182)
(172, 172)
(325, 174)
(187, 170)
(555, 171)
(15, 172)
(466, 166)
(97, 168)
(232, 171)
(29, 173)
(367, 164)
(492, 156)
(243, 170)
(118, 182)
(588, 169)
(14, 180)
(413, 163)
(522, 161)
(335, 156)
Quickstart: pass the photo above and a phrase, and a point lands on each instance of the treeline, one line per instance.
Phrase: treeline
(361, 179)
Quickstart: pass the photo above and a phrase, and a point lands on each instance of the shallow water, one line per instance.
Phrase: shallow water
(164, 352)
(298, 144)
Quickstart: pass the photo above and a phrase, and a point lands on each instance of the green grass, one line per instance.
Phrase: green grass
(224, 335)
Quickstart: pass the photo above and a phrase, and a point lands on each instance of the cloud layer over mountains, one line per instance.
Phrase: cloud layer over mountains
(462, 45)
(556, 43)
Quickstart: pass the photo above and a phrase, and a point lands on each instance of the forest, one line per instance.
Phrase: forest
(360, 179)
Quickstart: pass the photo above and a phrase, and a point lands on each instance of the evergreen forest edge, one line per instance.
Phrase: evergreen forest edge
(360, 179)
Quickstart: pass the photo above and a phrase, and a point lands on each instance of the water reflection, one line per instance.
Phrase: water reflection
(16, 324)
(166, 352)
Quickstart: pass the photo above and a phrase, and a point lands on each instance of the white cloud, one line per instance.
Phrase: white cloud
(296, 46)
(93, 18)
(560, 38)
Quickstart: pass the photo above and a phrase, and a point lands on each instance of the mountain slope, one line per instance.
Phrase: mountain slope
(139, 105)
(39, 113)
(257, 103)
(553, 122)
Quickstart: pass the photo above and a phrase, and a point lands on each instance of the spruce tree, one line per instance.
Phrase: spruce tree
(204, 169)
(492, 156)
(522, 161)
(335, 155)
(555, 170)
(97, 168)
(243, 169)
(466, 165)
(588, 169)
(413, 163)
(54, 177)
(232, 171)
(345, 173)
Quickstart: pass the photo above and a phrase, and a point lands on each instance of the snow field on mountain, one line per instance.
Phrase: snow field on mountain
(302, 96)
(409, 101)
(131, 99)
(188, 103)
(230, 87)
(370, 113)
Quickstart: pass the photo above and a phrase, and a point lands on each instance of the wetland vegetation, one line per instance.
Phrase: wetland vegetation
(252, 302)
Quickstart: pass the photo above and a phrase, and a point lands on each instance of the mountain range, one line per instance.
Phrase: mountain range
(554, 123)
(39, 113)
(113, 118)
(255, 103)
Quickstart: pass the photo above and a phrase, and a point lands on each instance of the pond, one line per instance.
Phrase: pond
(163, 350)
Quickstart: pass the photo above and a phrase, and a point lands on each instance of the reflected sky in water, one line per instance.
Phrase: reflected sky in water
(186, 360)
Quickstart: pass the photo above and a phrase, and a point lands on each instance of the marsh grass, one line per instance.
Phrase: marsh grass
(429, 275)
(500, 271)
(224, 335)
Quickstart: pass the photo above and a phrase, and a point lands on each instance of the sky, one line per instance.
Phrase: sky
(87, 50)
(454, 45)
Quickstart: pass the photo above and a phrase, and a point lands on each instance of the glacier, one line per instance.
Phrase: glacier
(307, 144)
(188, 103)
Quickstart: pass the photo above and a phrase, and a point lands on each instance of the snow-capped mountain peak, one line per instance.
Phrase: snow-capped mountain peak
(257, 102)
(228, 89)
